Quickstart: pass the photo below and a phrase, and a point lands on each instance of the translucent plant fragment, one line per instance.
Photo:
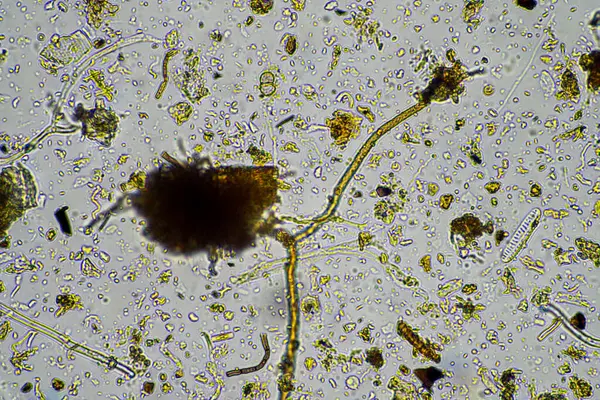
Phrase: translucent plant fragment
(99, 124)
(18, 193)
(190, 77)
(64, 50)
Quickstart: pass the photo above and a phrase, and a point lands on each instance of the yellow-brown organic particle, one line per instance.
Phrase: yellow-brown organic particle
(470, 227)
(446, 200)
(569, 86)
(374, 357)
(492, 187)
(535, 190)
(18, 193)
(261, 7)
(344, 126)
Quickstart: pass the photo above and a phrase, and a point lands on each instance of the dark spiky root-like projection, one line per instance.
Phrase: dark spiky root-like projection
(190, 208)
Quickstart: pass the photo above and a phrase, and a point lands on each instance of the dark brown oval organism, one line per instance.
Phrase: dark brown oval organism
(428, 376)
(192, 207)
(527, 4)
(578, 321)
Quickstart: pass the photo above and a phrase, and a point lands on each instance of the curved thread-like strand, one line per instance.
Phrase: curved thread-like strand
(65, 91)
(361, 156)
(563, 318)
(110, 362)
(248, 370)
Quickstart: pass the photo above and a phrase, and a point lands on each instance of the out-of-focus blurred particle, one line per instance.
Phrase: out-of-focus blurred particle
(590, 63)
(446, 200)
(310, 363)
(181, 112)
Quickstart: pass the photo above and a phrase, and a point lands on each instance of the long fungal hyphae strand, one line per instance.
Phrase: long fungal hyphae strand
(519, 239)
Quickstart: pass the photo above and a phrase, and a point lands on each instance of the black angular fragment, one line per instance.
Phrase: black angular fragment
(527, 4)
(428, 376)
(578, 321)
(383, 191)
(63, 220)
